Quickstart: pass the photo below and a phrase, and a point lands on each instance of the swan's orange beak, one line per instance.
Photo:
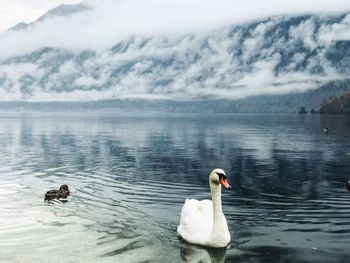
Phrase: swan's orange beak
(224, 182)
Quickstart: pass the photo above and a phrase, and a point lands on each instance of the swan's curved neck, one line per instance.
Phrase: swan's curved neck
(218, 222)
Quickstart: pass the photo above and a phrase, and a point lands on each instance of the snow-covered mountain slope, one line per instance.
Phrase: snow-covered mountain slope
(275, 55)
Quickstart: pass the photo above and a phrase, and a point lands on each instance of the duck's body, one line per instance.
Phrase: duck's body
(348, 185)
(62, 193)
(203, 222)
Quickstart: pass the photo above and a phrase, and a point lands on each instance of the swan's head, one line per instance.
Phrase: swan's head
(218, 176)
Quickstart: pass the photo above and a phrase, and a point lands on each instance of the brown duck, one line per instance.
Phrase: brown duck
(62, 193)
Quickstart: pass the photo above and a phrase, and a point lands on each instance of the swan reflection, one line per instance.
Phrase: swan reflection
(194, 254)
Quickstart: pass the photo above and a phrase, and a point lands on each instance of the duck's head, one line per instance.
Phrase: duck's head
(218, 176)
(64, 188)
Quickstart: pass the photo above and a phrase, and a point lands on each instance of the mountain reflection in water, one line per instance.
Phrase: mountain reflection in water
(129, 176)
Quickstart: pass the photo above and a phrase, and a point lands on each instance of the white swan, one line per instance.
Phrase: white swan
(203, 222)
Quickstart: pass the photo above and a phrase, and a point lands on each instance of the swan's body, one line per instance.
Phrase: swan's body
(203, 222)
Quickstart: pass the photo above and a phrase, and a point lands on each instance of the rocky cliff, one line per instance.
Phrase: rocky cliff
(336, 105)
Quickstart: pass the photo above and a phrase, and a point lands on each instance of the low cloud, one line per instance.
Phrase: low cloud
(181, 50)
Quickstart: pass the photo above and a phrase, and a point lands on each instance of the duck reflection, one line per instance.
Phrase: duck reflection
(194, 254)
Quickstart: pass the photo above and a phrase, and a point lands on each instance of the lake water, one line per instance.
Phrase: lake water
(130, 174)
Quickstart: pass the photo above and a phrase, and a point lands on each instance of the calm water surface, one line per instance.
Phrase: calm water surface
(130, 174)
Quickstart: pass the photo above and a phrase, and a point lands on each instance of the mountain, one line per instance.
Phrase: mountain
(271, 65)
(63, 10)
(19, 26)
(336, 105)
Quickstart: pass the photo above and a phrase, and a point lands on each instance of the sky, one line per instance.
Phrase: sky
(15, 11)
(110, 21)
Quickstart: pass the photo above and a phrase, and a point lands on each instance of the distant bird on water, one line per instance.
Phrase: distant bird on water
(325, 130)
(62, 193)
(348, 185)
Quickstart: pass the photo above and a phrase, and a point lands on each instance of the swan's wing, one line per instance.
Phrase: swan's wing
(227, 232)
(206, 208)
(196, 221)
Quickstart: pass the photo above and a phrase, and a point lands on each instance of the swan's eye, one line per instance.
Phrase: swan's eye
(221, 175)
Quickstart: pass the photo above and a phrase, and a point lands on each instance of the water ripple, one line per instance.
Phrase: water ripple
(127, 188)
